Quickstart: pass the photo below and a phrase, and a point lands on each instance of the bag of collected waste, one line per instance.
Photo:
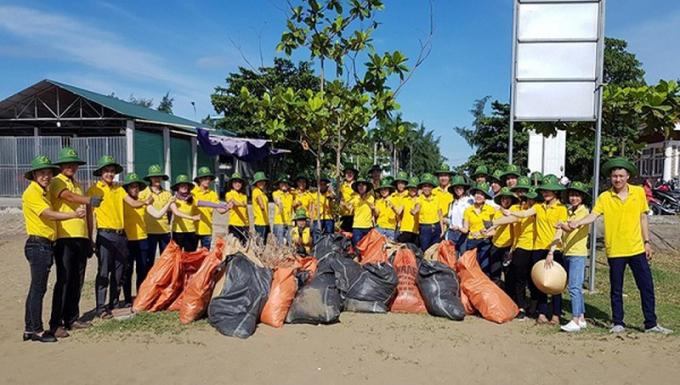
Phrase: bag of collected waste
(236, 311)
(373, 289)
(408, 298)
(164, 271)
(305, 267)
(331, 244)
(372, 248)
(283, 290)
(438, 284)
(196, 295)
(191, 262)
(447, 254)
(319, 302)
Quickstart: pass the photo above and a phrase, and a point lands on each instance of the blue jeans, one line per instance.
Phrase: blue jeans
(429, 235)
(206, 241)
(39, 254)
(459, 240)
(327, 227)
(388, 233)
(262, 232)
(483, 247)
(282, 234)
(138, 253)
(358, 235)
(576, 271)
(157, 242)
(645, 284)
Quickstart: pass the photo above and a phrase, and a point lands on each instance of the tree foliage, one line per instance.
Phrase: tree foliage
(166, 103)
(146, 103)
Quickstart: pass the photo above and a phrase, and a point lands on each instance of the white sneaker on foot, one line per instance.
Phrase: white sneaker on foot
(659, 329)
(617, 329)
(582, 324)
(571, 327)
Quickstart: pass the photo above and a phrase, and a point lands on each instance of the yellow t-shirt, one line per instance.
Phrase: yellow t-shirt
(546, 217)
(109, 214)
(429, 210)
(525, 232)
(34, 202)
(304, 200)
(135, 226)
(387, 219)
(70, 228)
(576, 242)
(409, 222)
(363, 214)
(156, 225)
(347, 195)
(445, 199)
(181, 225)
(260, 216)
(283, 217)
(504, 233)
(306, 237)
(326, 203)
(622, 227)
(238, 216)
(205, 225)
(476, 220)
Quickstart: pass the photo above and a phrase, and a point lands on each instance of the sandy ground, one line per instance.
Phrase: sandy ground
(391, 348)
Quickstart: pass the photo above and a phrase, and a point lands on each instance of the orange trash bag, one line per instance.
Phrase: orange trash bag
(469, 309)
(308, 264)
(191, 262)
(447, 254)
(196, 295)
(372, 248)
(281, 295)
(162, 273)
(408, 298)
(492, 303)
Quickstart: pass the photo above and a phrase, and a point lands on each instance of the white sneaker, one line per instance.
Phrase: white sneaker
(659, 329)
(617, 329)
(582, 324)
(571, 327)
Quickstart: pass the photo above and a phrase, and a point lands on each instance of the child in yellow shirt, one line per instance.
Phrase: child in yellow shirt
(186, 214)
(239, 222)
(387, 209)
(204, 194)
(261, 206)
(362, 206)
(300, 234)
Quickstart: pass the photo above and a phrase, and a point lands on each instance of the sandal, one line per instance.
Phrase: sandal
(542, 320)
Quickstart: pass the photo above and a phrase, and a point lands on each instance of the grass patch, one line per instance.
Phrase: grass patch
(159, 323)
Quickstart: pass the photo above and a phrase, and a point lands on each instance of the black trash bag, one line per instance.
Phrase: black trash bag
(416, 250)
(317, 303)
(330, 244)
(236, 311)
(439, 287)
(347, 272)
(373, 289)
(357, 306)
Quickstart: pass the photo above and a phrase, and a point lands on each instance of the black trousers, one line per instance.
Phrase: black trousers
(112, 257)
(496, 257)
(186, 241)
(519, 276)
(407, 237)
(70, 260)
(347, 223)
(39, 256)
(242, 233)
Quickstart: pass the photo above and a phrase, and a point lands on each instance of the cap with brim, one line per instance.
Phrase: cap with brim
(155, 170)
(444, 169)
(386, 184)
(522, 183)
(496, 176)
(512, 170)
(259, 177)
(413, 182)
(580, 187)
(132, 178)
(505, 192)
(428, 178)
(106, 161)
(69, 155)
(402, 176)
(204, 172)
(481, 170)
(182, 179)
(619, 162)
(550, 183)
(355, 186)
(300, 214)
(41, 162)
(482, 187)
(458, 181)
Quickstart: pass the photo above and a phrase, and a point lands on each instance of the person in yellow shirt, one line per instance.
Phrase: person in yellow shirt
(502, 236)
(346, 193)
(444, 175)
(300, 234)
(302, 198)
(510, 177)
(207, 202)
(495, 183)
(158, 229)
(429, 211)
(323, 209)
(474, 221)
(387, 209)
(408, 223)
(111, 241)
(481, 174)
(261, 206)
(40, 220)
(626, 241)
(575, 243)
(73, 246)
(400, 184)
(185, 214)
(239, 221)
(375, 173)
(283, 210)
(362, 206)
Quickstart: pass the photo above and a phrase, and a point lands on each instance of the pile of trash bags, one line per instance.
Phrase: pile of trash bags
(237, 292)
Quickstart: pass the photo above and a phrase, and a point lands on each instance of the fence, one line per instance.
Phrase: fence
(16, 154)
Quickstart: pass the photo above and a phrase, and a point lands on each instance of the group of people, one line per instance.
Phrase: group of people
(512, 220)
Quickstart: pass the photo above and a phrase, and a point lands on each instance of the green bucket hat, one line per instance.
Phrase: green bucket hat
(300, 214)
(580, 187)
(155, 170)
(428, 178)
(105, 161)
(497, 175)
(182, 178)
(41, 162)
(259, 177)
(134, 178)
(69, 155)
(236, 176)
(203, 172)
(511, 170)
(536, 178)
(359, 181)
(402, 176)
(458, 180)
(619, 162)
(550, 183)
(505, 192)
(481, 170)
(375, 167)
(532, 194)
(387, 179)
(482, 187)
(413, 182)
(349, 167)
(325, 178)
(523, 182)
(283, 178)
(301, 176)
(386, 184)
(444, 169)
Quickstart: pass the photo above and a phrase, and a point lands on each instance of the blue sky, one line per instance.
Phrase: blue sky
(146, 49)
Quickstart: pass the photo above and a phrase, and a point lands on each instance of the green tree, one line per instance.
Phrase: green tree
(421, 152)
(621, 68)
(166, 103)
(146, 103)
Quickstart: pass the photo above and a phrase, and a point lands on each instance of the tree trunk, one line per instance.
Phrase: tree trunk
(318, 185)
